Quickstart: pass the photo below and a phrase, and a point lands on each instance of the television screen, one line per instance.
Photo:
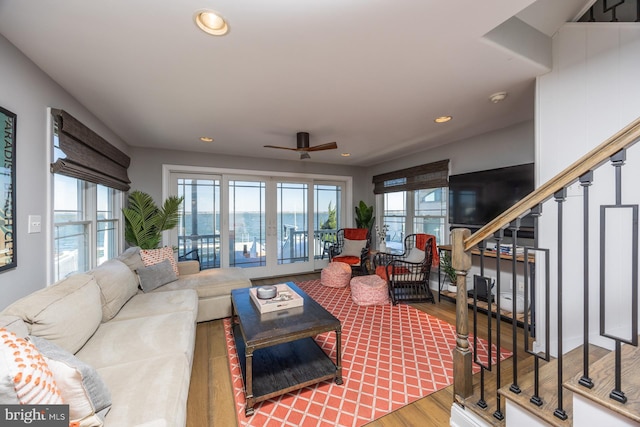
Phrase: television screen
(478, 197)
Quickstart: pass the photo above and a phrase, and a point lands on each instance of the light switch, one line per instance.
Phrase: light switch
(35, 224)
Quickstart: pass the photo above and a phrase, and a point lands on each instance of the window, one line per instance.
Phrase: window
(414, 200)
(86, 222)
(417, 211)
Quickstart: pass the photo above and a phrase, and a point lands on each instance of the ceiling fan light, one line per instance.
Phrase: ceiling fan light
(304, 155)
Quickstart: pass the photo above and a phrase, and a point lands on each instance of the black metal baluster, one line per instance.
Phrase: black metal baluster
(560, 197)
(585, 182)
(514, 388)
(612, 8)
(482, 403)
(498, 414)
(617, 160)
(536, 399)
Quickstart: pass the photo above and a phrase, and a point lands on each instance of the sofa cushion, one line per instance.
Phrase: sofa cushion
(151, 304)
(149, 392)
(211, 283)
(66, 313)
(156, 275)
(135, 339)
(80, 385)
(155, 256)
(14, 324)
(131, 257)
(117, 285)
(24, 383)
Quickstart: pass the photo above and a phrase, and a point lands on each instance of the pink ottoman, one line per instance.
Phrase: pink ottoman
(369, 290)
(336, 275)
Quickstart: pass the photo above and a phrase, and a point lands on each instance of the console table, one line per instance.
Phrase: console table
(484, 306)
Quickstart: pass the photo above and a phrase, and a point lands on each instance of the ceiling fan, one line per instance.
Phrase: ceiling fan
(303, 146)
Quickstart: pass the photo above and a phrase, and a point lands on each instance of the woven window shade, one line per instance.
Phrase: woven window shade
(431, 175)
(88, 156)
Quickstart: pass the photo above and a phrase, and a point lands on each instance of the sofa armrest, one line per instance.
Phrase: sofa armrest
(188, 267)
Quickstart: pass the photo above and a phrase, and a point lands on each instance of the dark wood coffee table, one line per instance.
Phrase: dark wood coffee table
(277, 351)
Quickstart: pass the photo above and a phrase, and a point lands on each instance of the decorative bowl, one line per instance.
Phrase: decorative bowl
(266, 292)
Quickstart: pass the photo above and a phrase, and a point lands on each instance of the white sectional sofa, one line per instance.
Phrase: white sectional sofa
(140, 344)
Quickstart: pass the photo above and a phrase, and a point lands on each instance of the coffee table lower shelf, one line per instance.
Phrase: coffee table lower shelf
(284, 367)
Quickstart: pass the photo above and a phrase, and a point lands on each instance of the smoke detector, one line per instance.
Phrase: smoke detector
(497, 97)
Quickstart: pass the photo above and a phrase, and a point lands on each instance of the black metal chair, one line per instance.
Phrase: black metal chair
(352, 247)
(408, 274)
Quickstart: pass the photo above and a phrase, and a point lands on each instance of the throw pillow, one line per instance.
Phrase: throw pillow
(415, 255)
(353, 247)
(80, 385)
(156, 275)
(25, 377)
(155, 256)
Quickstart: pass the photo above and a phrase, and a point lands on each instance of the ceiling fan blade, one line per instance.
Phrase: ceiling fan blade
(281, 148)
(327, 146)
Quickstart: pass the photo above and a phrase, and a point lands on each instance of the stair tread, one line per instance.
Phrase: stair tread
(572, 366)
(602, 373)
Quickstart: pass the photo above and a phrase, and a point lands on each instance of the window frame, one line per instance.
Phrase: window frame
(87, 207)
(410, 215)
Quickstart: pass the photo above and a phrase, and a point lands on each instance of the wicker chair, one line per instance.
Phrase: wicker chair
(352, 247)
(407, 274)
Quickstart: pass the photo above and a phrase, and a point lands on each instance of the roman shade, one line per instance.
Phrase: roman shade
(431, 175)
(88, 156)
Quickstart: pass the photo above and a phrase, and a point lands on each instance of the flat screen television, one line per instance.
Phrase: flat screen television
(476, 198)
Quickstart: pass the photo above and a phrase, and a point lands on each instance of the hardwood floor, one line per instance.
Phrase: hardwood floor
(211, 401)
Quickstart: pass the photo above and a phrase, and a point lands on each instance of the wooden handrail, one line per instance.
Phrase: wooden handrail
(622, 139)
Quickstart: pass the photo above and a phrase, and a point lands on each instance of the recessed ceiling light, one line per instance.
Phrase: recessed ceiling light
(211, 22)
(345, 154)
(443, 119)
(206, 139)
(497, 97)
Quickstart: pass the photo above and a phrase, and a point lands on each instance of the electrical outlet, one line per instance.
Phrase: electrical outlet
(521, 286)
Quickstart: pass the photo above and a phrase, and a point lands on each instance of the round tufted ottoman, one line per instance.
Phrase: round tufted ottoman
(369, 290)
(336, 275)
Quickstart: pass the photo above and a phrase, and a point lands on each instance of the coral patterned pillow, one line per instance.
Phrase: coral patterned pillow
(156, 256)
(25, 377)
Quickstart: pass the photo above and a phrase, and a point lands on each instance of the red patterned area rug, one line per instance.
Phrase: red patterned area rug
(391, 356)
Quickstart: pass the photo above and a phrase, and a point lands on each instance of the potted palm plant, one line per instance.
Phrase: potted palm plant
(364, 215)
(145, 221)
(449, 271)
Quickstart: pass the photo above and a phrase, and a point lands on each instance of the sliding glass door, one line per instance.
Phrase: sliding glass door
(267, 225)
(198, 231)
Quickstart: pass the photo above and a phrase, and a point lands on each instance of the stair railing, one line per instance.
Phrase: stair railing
(463, 242)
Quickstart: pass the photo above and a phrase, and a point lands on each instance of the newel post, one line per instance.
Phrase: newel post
(461, 262)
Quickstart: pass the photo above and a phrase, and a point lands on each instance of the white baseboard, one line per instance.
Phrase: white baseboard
(463, 418)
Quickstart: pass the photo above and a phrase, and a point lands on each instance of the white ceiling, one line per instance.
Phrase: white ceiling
(369, 74)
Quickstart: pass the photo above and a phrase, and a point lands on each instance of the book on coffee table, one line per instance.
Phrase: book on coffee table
(285, 298)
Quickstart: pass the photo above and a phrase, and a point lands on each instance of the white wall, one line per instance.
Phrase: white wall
(513, 145)
(591, 93)
(146, 169)
(28, 92)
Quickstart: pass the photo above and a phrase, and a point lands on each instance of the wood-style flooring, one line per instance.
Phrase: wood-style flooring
(211, 401)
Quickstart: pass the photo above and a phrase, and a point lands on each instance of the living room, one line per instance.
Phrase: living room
(547, 136)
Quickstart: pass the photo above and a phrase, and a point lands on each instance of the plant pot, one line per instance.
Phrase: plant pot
(452, 288)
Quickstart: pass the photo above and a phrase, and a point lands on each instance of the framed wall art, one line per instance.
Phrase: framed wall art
(7, 190)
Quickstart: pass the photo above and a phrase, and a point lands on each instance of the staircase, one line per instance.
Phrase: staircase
(581, 363)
